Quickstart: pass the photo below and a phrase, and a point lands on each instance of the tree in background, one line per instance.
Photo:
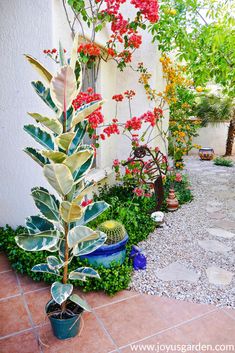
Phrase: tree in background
(202, 34)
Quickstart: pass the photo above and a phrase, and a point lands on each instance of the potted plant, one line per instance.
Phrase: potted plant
(114, 249)
(61, 225)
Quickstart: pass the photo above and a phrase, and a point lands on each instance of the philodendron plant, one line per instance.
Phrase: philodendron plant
(61, 225)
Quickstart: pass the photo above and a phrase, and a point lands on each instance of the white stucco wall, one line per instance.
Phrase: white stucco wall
(25, 27)
(215, 136)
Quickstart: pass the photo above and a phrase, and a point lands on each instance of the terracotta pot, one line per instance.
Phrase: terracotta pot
(206, 153)
(172, 202)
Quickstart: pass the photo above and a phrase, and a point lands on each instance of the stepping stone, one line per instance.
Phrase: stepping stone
(214, 204)
(219, 232)
(177, 272)
(214, 246)
(217, 275)
(216, 215)
(212, 209)
(225, 224)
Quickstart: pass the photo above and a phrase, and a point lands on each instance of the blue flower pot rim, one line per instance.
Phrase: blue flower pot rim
(109, 248)
(61, 320)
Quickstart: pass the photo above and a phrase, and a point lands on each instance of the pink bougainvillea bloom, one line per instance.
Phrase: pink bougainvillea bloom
(178, 177)
(139, 192)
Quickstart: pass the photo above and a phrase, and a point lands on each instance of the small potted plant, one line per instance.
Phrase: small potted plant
(60, 228)
(114, 249)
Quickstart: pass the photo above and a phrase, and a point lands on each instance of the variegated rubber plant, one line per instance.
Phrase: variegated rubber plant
(61, 225)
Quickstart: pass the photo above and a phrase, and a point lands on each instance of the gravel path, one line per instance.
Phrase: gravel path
(186, 259)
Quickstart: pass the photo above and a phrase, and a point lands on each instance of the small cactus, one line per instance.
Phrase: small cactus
(115, 231)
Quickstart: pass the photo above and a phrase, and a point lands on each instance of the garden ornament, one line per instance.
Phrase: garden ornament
(156, 167)
(139, 259)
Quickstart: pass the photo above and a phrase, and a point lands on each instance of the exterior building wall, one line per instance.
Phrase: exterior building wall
(25, 27)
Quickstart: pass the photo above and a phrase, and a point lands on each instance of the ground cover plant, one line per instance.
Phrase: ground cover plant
(223, 162)
(125, 206)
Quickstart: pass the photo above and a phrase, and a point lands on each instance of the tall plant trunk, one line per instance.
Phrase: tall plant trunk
(231, 136)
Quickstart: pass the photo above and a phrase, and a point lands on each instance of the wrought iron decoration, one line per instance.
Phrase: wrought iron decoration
(157, 168)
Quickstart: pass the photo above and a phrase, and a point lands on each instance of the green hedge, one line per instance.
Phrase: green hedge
(132, 211)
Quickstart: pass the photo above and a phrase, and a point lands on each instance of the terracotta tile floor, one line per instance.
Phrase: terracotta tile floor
(114, 325)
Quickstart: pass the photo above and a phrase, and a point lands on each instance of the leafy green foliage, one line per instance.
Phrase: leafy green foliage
(203, 34)
(125, 207)
(213, 109)
(223, 162)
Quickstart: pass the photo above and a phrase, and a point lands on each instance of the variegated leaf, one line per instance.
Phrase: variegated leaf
(37, 224)
(70, 212)
(52, 124)
(63, 88)
(79, 301)
(80, 173)
(59, 177)
(54, 263)
(80, 234)
(61, 55)
(46, 203)
(44, 268)
(44, 73)
(80, 131)
(74, 52)
(60, 292)
(37, 242)
(82, 273)
(44, 94)
(40, 136)
(36, 156)
(92, 211)
(84, 191)
(64, 140)
(85, 111)
(54, 156)
(77, 159)
(87, 247)
(62, 252)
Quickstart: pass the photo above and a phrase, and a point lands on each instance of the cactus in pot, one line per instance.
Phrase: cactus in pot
(114, 230)
(60, 228)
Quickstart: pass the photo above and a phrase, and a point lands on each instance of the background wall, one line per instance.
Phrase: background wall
(25, 27)
(215, 136)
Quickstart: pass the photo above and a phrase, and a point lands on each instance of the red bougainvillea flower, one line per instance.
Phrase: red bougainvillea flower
(139, 192)
(89, 49)
(111, 52)
(178, 177)
(126, 56)
(127, 171)
(119, 25)
(116, 162)
(134, 41)
(111, 129)
(149, 8)
(118, 97)
(96, 118)
(129, 94)
(86, 203)
(133, 124)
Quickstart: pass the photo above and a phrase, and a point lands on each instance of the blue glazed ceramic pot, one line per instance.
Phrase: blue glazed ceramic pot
(108, 254)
